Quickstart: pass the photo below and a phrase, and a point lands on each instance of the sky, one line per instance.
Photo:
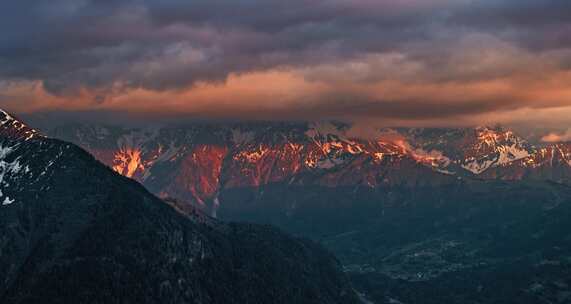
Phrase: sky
(393, 62)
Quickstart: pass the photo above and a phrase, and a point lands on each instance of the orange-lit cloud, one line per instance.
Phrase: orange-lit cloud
(557, 137)
(436, 62)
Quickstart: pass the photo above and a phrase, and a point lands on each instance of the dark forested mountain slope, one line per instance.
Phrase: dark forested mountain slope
(74, 231)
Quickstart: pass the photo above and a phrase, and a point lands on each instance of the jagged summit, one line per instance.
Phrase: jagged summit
(12, 127)
(196, 163)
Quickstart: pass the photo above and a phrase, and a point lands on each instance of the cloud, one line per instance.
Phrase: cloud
(557, 137)
(400, 60)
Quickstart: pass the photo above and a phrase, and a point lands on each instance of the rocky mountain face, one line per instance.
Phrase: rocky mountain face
(74, 231)
(13, 128)
(552, 162)
(195, 163)
(415, 215)
(498, 154)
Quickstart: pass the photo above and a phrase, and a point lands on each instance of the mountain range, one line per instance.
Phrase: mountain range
(470, 215)
(195, 163)
(74, 231)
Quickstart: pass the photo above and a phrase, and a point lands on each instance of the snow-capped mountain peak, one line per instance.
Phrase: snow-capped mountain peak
(493, 147)
(14, 128)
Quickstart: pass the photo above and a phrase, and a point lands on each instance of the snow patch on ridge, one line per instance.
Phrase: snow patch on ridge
(20, 129)
(478, 167)
(334, 145)
(8, 170)
(505, 155)
(511, 153)
(7, 201)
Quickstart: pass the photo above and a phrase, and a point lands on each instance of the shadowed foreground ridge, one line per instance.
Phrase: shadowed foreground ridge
(73, 231)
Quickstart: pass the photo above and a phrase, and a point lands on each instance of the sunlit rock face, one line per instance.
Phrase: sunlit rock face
(195, 163)
(198, 177)
(473, 150)
(552, 162)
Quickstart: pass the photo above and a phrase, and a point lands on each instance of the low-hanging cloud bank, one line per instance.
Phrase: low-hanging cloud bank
(557, 137)
(405, 60)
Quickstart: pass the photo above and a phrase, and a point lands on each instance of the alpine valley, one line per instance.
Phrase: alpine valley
(472, 215)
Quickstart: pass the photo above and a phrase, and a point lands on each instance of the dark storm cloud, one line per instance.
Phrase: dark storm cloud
(108, 46)
(511, 13)
(535, 24)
